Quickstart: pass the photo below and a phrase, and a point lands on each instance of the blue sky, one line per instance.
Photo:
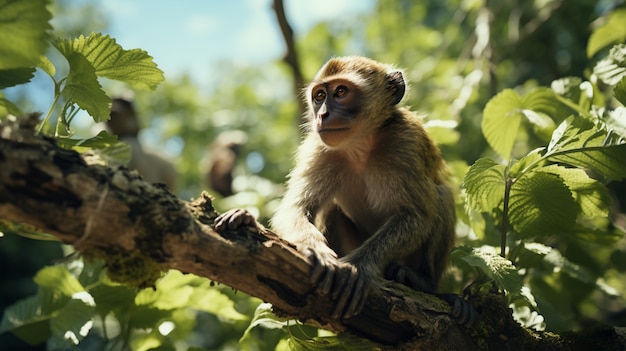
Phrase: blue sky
(192, 35)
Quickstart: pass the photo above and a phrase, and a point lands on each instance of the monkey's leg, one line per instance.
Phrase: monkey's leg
(462, 312)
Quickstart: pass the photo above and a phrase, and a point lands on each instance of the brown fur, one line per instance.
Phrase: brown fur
(374, 193)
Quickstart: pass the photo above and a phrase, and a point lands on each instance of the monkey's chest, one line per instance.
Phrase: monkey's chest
(356, 203)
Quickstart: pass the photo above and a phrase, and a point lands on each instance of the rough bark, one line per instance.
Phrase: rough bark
(139, 228)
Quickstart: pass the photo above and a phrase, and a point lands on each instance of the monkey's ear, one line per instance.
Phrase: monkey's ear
(395, 83)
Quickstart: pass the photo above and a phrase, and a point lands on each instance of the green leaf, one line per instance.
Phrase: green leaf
(502, 118)
(505, 112)
(613, 68)
(498, 268)
(620, 91)
(172, 291)
(485, 182)
(606, 160)
(24, 27)
(526, 163)
(112, 297)
(265, 317)
(210, 299)
(7, 107)
(73, 322)
(29, 318)
(110, 60)
(58, 278)
(579, 143)
(25, 320)
(82, 88)
(541, 204)
(47, 66)
(105, 145)
(144, 316)
(611, 32)
(15, 76)
(591, 195)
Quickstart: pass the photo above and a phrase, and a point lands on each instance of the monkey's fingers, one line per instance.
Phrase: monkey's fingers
(345, 296)
(461, 310)
(359, 296)
(325, 286)
(234, 219)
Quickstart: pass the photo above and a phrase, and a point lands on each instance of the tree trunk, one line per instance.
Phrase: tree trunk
(141, 229)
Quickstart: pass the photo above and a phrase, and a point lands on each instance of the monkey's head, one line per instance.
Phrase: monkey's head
(350, 97)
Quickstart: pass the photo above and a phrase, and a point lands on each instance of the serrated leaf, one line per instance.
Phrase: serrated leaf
(15, 76)
(579, 143)
(110, 60)
(82, 88)
(591, 195)
(498, 268)
(613, 68)
(24, 27)
(47, 66)
(606, 160)
(620, 91)
(485, 182)
(611, 32)
(505, 112)
(59, 279)
(541, 204)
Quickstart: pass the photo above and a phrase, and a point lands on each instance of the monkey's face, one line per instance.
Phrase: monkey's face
(335, 106)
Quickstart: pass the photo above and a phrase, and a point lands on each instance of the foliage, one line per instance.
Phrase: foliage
(74, 299)
(524, 92)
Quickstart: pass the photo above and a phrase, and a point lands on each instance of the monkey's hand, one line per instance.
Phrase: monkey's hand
(345, 282)
(235, 219)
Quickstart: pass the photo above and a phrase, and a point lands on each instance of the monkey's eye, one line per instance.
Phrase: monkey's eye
(319, 96)
(341, 91)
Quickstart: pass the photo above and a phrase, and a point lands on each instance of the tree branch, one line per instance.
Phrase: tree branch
(140, 228)
(291, 56)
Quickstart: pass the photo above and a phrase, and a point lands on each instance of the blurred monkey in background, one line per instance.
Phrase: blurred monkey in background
(222, 160)
(152, 166)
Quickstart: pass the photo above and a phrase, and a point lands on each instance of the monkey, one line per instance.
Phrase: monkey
(222, 159)
(367, 197)
(152, 166)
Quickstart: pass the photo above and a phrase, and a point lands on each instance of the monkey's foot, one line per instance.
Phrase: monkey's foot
(343, 281)
(462, 312)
